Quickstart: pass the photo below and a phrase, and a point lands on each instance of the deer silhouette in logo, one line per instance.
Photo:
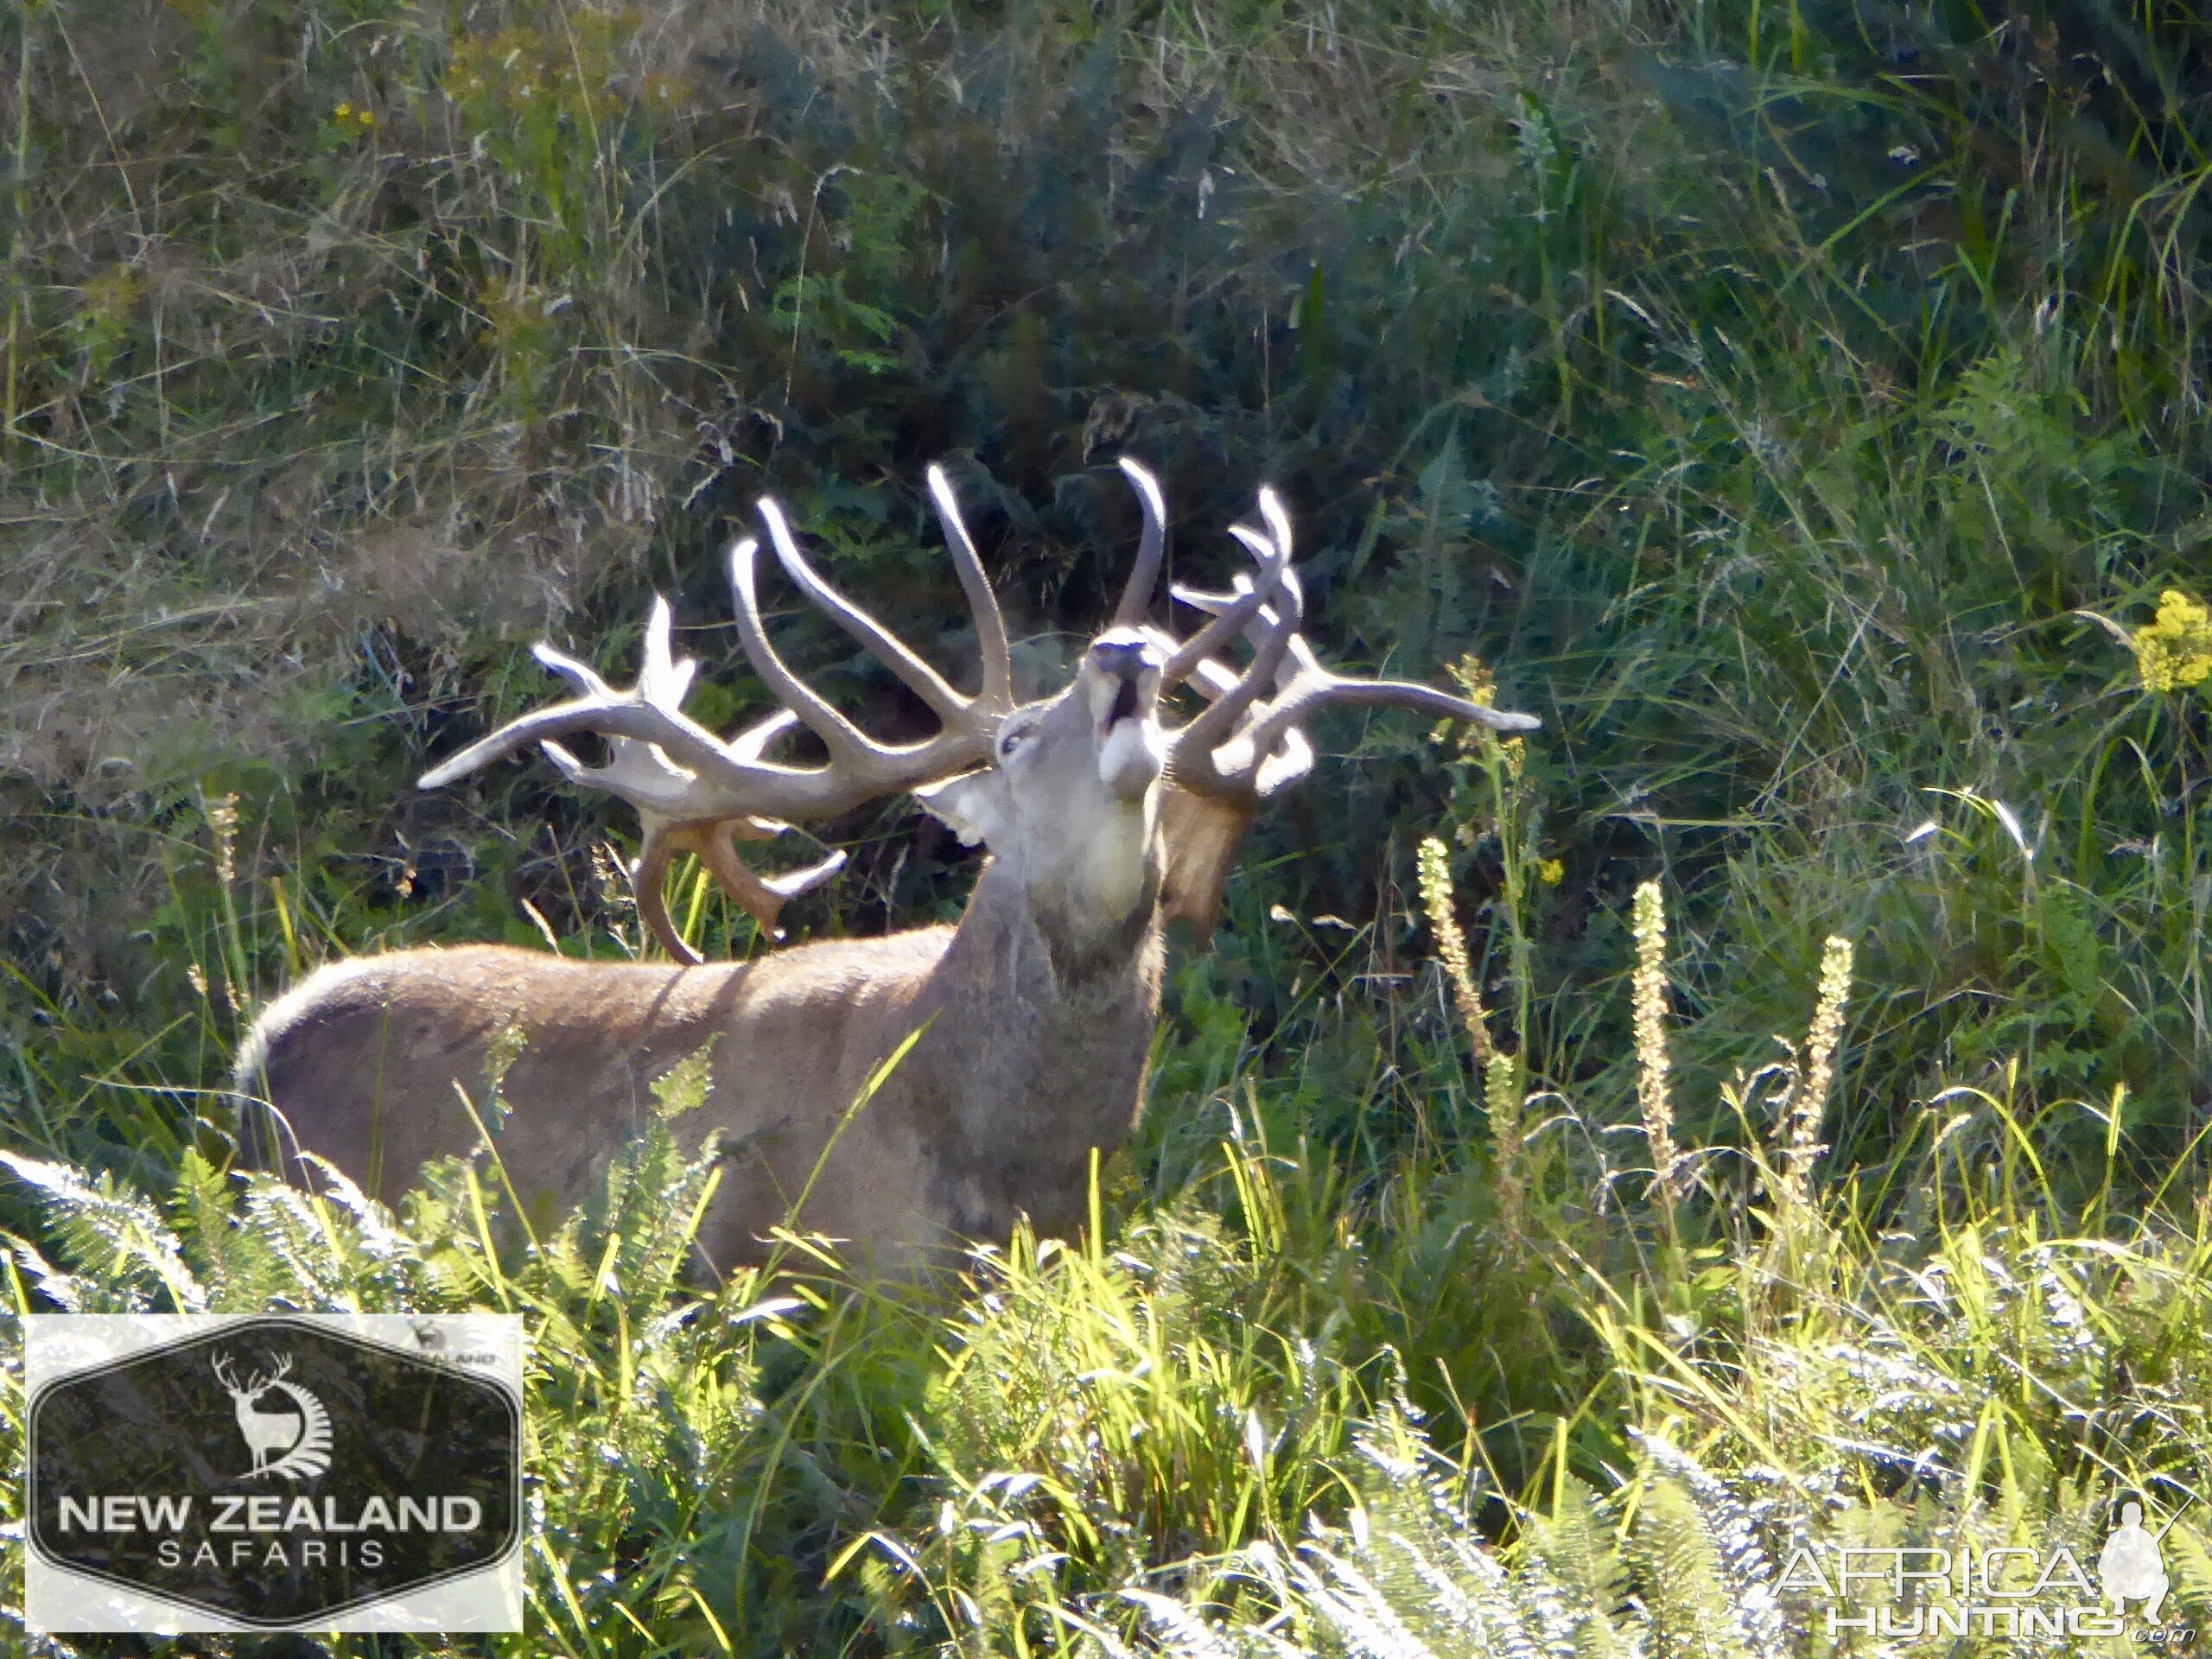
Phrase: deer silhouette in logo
(294, 1442)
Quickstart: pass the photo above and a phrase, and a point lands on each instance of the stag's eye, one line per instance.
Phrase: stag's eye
(1013, 739)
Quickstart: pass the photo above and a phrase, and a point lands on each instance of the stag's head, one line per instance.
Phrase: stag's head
(1076, 793)
(1070, 801)
(1070, 796)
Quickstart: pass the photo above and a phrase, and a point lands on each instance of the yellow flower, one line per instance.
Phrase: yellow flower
(1480, 687)
(2174, 652)
(1551, 872)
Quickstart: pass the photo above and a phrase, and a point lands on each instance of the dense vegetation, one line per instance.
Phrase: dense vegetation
(1802, 407)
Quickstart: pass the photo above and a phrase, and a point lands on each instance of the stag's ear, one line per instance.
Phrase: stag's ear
(1202, 833)
(976, 804)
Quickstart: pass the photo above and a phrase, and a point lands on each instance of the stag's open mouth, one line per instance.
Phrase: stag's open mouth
(1127, 704)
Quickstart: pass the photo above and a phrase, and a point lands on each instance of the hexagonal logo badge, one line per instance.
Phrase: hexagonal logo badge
(306, 1472)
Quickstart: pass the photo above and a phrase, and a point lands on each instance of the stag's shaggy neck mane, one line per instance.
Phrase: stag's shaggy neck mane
(1042, 1034)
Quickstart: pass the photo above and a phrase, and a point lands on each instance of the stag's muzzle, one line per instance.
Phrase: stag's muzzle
(1123, 669)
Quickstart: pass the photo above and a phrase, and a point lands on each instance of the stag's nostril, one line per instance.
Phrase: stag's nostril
(1127, 657)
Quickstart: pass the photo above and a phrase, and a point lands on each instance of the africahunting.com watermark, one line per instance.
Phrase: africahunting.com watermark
(296, 1472)
(1999, 1591)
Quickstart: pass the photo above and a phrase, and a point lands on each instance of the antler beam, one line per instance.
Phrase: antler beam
(699, 793)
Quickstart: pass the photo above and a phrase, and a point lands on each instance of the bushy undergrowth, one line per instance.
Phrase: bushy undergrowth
(1197, 1440)
(1801, 408)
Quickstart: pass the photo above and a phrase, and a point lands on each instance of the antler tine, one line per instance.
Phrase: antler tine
(1248, 743)
(695, 792)
(664, 681)
(1217, 723)
(666, 798)
(846, 742)
(1144, 575)
(1211, 677)
(997, 691)
(713, 844)
(860, 767)
(1248, 759)
(1316, 687)
(1303, 685)
(923, 681)
(612, 715)
(1274, 629)
(581, 675)
(661, 689)
(1291, 755)
(1274, 559)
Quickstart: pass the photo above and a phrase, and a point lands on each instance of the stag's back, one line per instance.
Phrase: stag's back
(385, 1062)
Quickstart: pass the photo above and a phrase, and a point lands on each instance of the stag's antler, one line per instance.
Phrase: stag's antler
(253, 1386)
(663, 792)
(697, 792)
(1249, 740)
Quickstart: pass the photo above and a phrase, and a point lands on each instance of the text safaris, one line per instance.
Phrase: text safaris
(242, 1552)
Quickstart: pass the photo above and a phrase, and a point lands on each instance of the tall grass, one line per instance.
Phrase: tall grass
(1196, 1427)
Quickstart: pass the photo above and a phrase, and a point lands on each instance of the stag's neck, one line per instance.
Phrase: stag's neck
(1048, 949)
(1044, 1028)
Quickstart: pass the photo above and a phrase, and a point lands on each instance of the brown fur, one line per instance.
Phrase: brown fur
(1018, 1077)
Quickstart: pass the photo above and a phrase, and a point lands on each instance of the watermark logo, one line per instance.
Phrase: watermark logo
(2008, 1592)
(309, 1472)
(2132, 1567)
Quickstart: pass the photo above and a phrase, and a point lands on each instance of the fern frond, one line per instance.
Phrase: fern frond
(130, 1260)
(1574, 1582)
(1181, 1633)
(1357, 1611)
(1706, 1581)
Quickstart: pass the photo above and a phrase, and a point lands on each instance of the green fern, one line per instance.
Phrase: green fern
(126, 1258)
(1709, 1584)
(1410, 1576)
(1577, 1581)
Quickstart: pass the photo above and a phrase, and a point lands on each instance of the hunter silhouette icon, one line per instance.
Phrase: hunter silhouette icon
(2130, 1567)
